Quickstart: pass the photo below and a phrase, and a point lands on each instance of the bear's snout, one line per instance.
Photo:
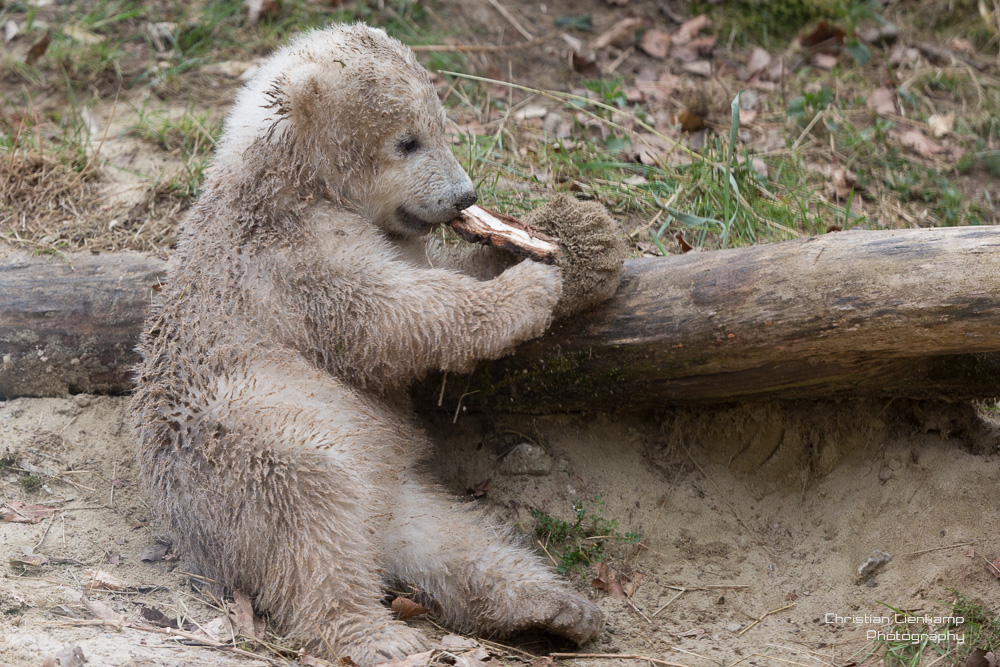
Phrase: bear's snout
(465, 200)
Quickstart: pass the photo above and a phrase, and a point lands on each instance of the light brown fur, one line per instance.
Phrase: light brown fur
(273, 429)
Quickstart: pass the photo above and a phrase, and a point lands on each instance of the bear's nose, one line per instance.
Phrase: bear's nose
(465, 200)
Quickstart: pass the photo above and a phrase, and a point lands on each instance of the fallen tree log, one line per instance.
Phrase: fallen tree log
(901, 313)
(70, 324)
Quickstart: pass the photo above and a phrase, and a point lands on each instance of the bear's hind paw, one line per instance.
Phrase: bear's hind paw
(396, 640)
(574, 618)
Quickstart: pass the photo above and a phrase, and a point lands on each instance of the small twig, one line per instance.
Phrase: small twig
(773, 611)
(114, 474)
(52, 520)
(513, 21)
(458, 408)
(547, 553)
(679, 593)
(927, 551)
(198, 576)
(476, 48)
(616, 656)
(444, 383)
(14, 510)
(638, 611)
(707, 587)
(326, 642)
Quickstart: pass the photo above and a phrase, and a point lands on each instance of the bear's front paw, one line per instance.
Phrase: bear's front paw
(592, 255)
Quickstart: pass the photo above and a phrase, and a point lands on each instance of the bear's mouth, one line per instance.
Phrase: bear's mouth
(413, 221)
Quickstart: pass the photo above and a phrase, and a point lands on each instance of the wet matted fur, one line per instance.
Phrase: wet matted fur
(274, 432)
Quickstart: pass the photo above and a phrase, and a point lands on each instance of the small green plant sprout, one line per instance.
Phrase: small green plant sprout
(582, 540)
(29, 483)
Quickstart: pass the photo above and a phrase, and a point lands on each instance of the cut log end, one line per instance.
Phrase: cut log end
(479, 225)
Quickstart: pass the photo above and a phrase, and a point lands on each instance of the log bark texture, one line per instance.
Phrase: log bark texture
(907, 313)
(898, 313)
(70, 324)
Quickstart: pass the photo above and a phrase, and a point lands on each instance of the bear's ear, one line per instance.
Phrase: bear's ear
(295, 96)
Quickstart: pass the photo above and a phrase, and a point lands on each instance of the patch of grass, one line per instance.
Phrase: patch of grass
(981, 627)
(715, 200)
(583, 538)
(191, 136)
(914, 644)
(29, 483)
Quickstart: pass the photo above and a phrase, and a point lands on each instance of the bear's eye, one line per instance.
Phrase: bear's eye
(408, 145)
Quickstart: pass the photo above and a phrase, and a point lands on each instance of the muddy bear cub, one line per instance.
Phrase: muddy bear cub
(273, 428)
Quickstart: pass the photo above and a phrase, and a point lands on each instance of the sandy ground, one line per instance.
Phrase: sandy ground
(731, 530)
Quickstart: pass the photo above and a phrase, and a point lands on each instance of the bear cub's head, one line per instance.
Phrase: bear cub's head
(358, 117)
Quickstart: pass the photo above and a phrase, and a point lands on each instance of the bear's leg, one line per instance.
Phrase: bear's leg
(278, 489)
(472, 574)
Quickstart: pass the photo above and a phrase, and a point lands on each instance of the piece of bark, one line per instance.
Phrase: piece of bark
(908, 313)
(479, 225)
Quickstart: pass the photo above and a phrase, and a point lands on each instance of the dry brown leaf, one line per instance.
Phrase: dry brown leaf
(607, 580)
(101, 579)
(18, 512)
(825, 34)
(824, 61)
(70, 655)
(981, 658)
(685, 246)
(697, 633)
(10, 31)
(261, 9)
(310, 661)
(690, 29)
(101, 610)
(248, 624)
(82, 35)
(962, 46)
(698, 68)
(914, 139)
(994, 567)
(631, 584)
(415, 660)
(621, 34)
(468, 652)
(38, 49)
(584, 65)
(759, 61)
(480, 490)
(157, 617)
(458, 643)
(688, 121)
(406, 608)
(29, 560)
(154, 552)
(844, 181)
(883, 100)
(656, 43)
(941, 123)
